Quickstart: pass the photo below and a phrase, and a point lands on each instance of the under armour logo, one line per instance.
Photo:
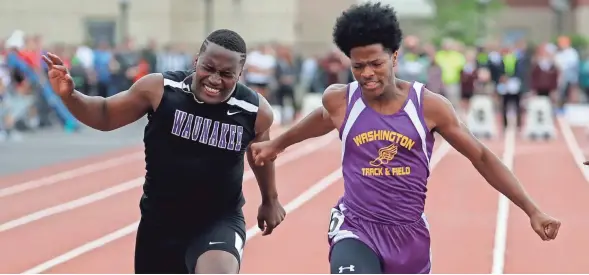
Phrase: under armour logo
(350, 268)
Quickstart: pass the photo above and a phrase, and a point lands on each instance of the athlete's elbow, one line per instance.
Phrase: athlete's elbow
(481, 157)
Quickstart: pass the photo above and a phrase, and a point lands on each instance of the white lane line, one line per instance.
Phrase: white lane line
(573, 146)
(500, 241)
(69, 174)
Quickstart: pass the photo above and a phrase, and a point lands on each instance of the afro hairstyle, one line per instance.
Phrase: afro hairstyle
(367, 24)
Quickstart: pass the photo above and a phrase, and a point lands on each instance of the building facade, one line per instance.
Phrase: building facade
(306, 24)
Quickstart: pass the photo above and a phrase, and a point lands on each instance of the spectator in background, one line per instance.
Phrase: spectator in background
(412, 65)
(482, 56)
(79, 75)
(127, 59)
(434, 80)
(307, 74)
(567, 60)
(332, 69)
(143, 68)
(103, 57)
(484, 83)
(17, 105)
(286, 75)
(451, 61)
(544, 76)
(32, 52)
(495, 64)
(584, 75)
(468, 77)
(510, 86)
(149, 54)
(260, 69)
(172, 59)
(523, 54)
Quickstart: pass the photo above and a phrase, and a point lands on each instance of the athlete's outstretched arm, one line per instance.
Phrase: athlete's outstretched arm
(270, 213)
(442, 118)
(100, 113)
(320, 121)
(126, 107)
(441, 115)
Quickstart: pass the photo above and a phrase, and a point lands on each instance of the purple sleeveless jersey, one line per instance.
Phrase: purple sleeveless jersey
(385, 164)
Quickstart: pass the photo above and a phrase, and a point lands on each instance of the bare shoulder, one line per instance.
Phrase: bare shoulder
(150, 87)
(265, 115)
(437, 109)
(149, 82)
(334, 97)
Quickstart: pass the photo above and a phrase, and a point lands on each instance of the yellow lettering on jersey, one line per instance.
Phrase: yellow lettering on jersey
(382, 171)
(378, 171)
(400, 171)
(384, 135)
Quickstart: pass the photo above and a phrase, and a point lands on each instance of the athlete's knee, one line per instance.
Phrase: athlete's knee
(216, 262)
(353, 256)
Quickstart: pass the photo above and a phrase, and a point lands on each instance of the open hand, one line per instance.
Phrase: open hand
(59, 78)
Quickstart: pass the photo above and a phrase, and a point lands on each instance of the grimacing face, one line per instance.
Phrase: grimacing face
(217, 71)
(373, 68)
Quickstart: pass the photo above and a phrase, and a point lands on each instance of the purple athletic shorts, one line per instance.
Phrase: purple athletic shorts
(402, 249)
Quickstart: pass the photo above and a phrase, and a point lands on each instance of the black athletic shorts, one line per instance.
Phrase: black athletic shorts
(166, 249)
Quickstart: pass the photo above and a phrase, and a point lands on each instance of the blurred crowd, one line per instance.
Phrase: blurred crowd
(509, 73)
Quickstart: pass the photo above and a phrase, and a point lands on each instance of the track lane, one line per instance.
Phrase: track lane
(553, 178)
(452, 196)
(461, 209)
(126, 154)
(37, 199)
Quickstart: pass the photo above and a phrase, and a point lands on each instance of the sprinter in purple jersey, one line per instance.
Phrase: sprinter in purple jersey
(386, 127)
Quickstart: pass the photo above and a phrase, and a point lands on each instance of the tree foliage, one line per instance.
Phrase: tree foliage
(464, 20)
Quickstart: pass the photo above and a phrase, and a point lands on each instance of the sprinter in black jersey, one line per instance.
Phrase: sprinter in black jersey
(201, 123)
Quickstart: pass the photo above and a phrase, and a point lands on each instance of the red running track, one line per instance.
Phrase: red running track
(80, 217)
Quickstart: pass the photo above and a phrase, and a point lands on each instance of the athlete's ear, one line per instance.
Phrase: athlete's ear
(394, 58)
(195, 61)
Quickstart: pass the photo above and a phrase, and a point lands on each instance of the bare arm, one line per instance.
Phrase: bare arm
(107, 114)
(265, 174)
(441, 117)
(319, 122)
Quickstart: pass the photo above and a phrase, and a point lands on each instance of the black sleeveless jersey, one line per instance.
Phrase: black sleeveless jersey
(194, 152)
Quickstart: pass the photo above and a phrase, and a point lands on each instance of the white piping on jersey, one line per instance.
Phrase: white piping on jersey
(243, 104)
(352, 90)
(232, 100)
(355, 112)
(411, 111)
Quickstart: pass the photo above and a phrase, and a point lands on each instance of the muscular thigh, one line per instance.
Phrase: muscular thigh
(218, 247)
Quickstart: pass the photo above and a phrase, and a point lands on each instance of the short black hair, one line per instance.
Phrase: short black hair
(367, 24)
(227, 39)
